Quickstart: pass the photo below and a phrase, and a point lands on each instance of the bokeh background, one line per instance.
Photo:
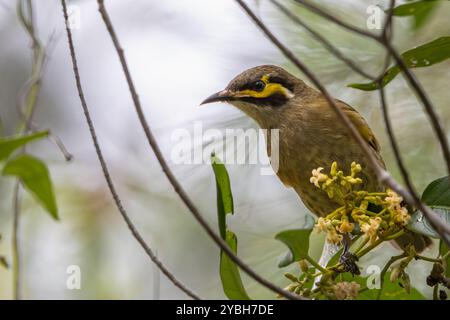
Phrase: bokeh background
(180, 52)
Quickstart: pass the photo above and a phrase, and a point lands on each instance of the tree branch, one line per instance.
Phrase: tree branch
(325, 43)
(105, 169)
(329, 17)
(165, 168)
(26, 104)
(411, 79)
(15, 247)
(440, 226)
(429, 109)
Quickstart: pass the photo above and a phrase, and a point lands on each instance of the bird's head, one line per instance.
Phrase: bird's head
(262, 92)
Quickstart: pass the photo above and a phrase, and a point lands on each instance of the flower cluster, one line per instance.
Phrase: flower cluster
(326, 285)
(336, 184)
(375, 214)
(346, 290)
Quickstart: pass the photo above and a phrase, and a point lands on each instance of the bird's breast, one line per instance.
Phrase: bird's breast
(302, 149)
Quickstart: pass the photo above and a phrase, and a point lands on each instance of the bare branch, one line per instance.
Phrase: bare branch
(27, 101)
(15, 248)
(335, 20)
(167, 171)
(386, 36)
(397, 154)
(387, 32)
(105, 169)
(430, 111)
(412, 81)
(441, 227)
(327, 44)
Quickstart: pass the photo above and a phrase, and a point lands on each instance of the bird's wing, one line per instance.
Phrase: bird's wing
(361, 124)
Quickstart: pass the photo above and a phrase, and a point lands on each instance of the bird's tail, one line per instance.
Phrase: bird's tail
(419, 241)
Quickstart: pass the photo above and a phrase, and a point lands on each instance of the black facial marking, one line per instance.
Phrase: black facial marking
(275, 100)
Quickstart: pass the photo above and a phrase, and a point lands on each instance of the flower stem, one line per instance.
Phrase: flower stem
(385, 269)
(427, 258)
(362, 245)
(435, 292)
(315, 264)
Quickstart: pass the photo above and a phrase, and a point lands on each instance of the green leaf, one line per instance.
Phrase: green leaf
(437, 193)
(297, 240)
(391, 290)
(390, 74)
(229, 273)
(36, 179)
(419, 224)
(424, 55)
(443, 249)
(224, 195)
(419, 10)
(10, 144)
(437, 196)
(335, 258)
(285, 259)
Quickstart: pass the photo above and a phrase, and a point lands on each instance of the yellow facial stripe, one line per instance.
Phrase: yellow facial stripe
(269, 90)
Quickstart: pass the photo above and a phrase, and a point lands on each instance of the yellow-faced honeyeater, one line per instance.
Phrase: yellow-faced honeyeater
(310, 133)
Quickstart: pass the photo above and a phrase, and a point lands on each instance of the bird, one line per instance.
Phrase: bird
(311, 135)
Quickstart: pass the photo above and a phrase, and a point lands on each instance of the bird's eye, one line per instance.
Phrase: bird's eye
(258, 85)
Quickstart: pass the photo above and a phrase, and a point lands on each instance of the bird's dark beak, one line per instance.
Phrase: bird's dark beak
(223, 95)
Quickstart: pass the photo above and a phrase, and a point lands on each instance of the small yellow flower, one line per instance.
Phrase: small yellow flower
(355, 168)
(334, 170)
(401, 216)
(353, 181)
(333, 237)
(393, 200)
(364, 204)
(370, 229)
(322, 225)
(346, 227)
(318, 177)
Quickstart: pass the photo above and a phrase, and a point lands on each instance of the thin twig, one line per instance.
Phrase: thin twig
(386, 40)
(426, 102)
(105, 169)
(387, 31)
(27, 101)
(440, 226)
(419, 257)
(15, 248)
(387, 34)
(410, 77)
(326, 44)
(329, 17)
(385, 269)
(436, 292)
(394, 145)
(384, 107)
(170, 176)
